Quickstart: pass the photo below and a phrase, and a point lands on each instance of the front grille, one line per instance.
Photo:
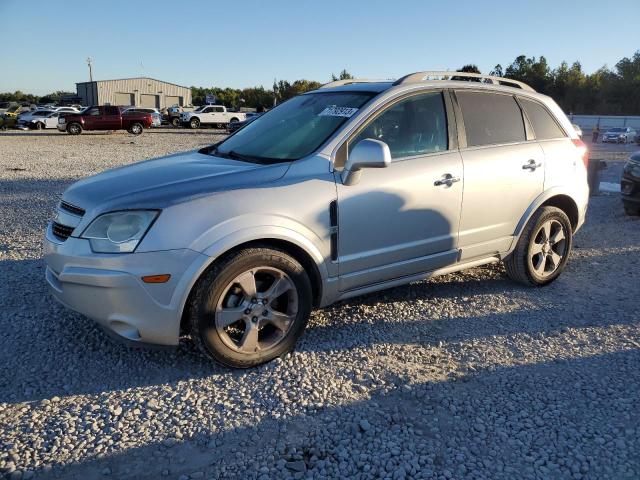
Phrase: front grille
(61, 231)
(72, 209)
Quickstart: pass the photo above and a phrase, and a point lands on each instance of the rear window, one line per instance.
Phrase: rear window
(490, 118)
(544, 126)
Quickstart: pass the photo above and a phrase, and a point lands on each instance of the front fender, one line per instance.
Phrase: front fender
(264, 232)
(239, 237)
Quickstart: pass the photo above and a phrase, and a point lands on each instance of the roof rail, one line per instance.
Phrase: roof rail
(424, 76)
(339, 83)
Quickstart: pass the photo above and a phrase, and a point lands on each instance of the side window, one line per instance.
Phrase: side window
(490, 118)
(219, 109)
(208, 110)
(544, 126)
(414, 126)
(95, 112)
(111, 111)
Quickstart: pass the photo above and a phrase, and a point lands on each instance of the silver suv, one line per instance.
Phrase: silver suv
(355, 187)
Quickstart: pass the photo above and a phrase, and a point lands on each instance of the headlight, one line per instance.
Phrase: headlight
(119, 232)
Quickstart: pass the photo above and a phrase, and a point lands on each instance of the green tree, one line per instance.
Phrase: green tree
(344, 75)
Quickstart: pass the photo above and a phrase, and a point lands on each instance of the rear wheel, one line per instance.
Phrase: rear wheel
(74, 129)
(543, 248)
(250, 307)
(175, 122)
(135, 129)
(194, 123)
(39, 126)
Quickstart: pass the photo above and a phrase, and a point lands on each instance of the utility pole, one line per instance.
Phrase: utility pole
(90, 62)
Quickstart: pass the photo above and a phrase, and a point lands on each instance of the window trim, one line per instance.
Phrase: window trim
(544, 107)
(462, 131)
(452, 138)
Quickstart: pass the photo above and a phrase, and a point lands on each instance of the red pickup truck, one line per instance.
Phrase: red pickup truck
(104, 118)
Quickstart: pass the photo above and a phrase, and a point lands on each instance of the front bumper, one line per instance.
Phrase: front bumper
(108, 288)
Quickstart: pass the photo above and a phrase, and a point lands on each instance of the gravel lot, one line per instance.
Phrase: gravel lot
(464, 376)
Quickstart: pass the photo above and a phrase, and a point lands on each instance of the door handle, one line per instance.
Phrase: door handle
(447, 179)
(531, 165)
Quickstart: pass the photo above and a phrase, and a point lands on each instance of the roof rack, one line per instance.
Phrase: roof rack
(424, 76)
(339, 83)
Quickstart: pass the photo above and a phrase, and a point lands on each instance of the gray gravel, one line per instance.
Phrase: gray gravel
(464, 376)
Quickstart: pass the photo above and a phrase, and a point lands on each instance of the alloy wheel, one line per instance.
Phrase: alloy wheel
(548, 249)
(256, 310)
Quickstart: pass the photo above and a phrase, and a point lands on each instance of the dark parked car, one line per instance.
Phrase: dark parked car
(104, 118)
(235, 126)
(630, 185)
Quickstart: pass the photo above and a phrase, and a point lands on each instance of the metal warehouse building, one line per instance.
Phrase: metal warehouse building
(141, 92)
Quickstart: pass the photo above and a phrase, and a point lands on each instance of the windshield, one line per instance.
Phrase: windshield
(618, 130)
(294, 129)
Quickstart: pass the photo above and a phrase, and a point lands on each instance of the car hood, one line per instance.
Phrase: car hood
(166, 181)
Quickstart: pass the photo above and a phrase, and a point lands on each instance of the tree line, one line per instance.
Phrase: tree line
(604, 92)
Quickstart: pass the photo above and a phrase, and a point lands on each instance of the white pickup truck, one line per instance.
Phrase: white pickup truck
(216, 115)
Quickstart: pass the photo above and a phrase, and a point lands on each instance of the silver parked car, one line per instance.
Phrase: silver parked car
(619, 135)
(356, 187)
(156, 116)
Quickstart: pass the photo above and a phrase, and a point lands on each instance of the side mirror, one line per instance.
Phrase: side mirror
(368, 153)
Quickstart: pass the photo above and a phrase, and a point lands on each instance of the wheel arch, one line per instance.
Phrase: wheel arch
(559, 199)
(308, 260)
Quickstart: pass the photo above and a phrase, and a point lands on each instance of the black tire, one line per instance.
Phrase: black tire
(631, 209)
(175, 122)
(136, 128)
(234, 119)
(212, 285)
(39, 126)
(519, 265)
(74, 128)
(194, 123)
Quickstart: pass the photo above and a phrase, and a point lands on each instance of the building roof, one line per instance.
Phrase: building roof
(133, 78)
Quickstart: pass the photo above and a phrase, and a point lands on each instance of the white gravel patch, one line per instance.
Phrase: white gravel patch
(465, 376)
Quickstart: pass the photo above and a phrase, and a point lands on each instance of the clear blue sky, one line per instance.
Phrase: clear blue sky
(44, 44)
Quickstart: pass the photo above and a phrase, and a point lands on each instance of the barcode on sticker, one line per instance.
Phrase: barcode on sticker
(334, 111)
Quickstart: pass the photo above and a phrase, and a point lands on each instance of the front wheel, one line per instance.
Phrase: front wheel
(39, 126)
(135, 129)
(194, 123)
(250, 307)
(74, 129)
(175, 122)
(543, 248)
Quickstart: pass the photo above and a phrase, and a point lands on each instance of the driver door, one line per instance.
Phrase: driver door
(403, 219)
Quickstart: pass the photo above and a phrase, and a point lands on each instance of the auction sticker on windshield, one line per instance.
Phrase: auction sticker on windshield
(334, 111)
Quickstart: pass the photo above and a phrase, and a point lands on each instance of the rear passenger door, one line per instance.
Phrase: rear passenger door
(111, 119)
(503, 170)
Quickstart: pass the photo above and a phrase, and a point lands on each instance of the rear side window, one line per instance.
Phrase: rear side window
(414, 126)
(491, 118)
(544, 126)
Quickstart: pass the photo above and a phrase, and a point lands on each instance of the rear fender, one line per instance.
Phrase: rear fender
(536, 204)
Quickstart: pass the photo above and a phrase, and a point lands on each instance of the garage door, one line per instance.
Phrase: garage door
(170, 101)
(151, 101)
(124, 99)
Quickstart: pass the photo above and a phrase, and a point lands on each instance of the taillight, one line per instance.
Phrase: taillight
(584, 151)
